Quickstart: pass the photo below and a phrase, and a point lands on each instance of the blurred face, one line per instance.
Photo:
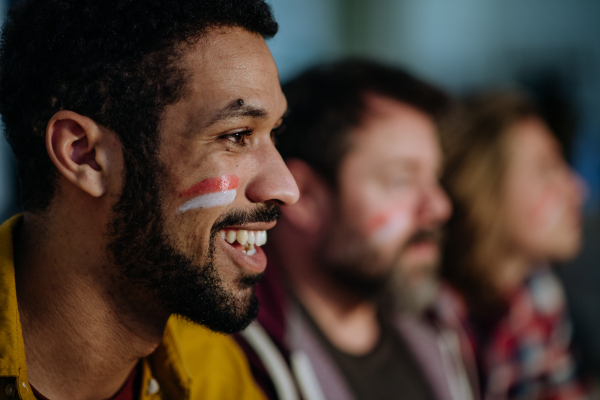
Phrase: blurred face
(391, 206)
(192, 234)
(543, 196)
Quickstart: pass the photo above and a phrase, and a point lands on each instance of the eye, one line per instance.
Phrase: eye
(239, 138)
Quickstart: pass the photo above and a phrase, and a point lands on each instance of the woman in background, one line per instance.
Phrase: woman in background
(517, 208)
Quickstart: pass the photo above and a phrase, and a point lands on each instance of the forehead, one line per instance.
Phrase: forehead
(229, 64)
(393, 131)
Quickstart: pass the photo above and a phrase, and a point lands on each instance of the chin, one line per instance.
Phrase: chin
(565, 250)
(570, 253)
(244, 297)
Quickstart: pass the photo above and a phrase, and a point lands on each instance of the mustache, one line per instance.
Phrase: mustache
(260, 213)
(425, 235)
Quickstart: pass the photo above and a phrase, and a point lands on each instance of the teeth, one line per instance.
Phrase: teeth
(251, 237)
(231, 235)
(249, 249)
(242, 236)
(258, 241)
(261, 238)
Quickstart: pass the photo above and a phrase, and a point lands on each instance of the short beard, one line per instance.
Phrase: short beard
(413, 297)
(357, 266)
(412, 294)
(353, 280)
(353, 265)
(158, 275)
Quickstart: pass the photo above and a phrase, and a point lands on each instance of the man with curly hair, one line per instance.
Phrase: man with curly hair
(143, 134)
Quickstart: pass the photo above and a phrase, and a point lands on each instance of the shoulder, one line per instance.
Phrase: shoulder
(216, 365)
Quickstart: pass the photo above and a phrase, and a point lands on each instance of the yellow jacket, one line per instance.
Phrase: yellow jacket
(190, 363)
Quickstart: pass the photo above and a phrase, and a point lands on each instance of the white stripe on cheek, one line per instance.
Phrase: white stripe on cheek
(209, 200)
(398, 225)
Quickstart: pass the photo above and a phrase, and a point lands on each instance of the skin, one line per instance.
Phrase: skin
(64, 274)
(541, 203)
(401, 180)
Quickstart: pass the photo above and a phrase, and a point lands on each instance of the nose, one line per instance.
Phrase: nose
(436, 207)
(273, 181)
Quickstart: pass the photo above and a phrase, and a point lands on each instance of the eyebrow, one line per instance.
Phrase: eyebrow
(238, 108)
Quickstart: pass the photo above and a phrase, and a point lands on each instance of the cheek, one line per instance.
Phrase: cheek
(547, 211)
(391, 225)
(195, 209)
(382, 217)
(219, 191)
(541, 219)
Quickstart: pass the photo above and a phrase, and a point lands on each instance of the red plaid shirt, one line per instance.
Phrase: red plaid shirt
(527, 356)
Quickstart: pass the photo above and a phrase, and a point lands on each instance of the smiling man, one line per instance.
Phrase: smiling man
(143, 133)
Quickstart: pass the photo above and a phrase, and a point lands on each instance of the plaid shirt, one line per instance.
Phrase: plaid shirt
(527, 356)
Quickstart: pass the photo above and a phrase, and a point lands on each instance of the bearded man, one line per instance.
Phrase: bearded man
(362, 145)
(143, 133)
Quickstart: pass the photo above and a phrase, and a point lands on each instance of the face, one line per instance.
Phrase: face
(189, 225)
(391, 206)
(543, 195)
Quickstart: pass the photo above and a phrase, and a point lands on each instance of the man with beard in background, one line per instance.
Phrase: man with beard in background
(143, 150)
(361, 142)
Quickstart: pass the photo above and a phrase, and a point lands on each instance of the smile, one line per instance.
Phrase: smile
(247, 238)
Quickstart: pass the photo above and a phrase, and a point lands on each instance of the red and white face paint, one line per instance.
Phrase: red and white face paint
(390, 225)
(212, 192)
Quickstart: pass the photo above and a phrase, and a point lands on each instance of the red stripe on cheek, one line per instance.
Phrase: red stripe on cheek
(212, 185)
(384, 217)
(378, 221)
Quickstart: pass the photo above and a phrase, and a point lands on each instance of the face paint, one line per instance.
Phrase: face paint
(550, 212)
(389, 225)
(211, 192)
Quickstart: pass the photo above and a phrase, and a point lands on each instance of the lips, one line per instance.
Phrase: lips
(235, 242)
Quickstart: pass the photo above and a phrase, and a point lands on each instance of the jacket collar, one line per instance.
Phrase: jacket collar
(13, 370)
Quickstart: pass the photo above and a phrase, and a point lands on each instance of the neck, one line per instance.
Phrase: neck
(349, 321)
(511, 271)
(78, 343)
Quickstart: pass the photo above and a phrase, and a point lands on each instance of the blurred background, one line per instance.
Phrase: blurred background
(549, 47)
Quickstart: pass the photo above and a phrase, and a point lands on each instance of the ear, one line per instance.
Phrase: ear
(81, 150)
(314, 206)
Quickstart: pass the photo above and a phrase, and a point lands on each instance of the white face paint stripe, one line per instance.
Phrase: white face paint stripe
(209, 200)
(393, 228)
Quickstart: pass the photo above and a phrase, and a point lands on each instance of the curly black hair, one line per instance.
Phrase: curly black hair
(114, 61)
(327, 102)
